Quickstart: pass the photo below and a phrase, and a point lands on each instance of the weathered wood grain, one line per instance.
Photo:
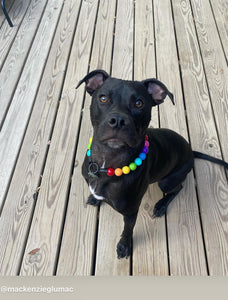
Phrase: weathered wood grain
(220, 10)
(46, 228)
(215, 68)
(186, 251)
(149, 239)
(77, 248)
(144, 42)
(7, 33)
(111, 222)
(123, 47)
(17, 55)
(19, 204)
(78, 242)
(14, 126)
(211, 180)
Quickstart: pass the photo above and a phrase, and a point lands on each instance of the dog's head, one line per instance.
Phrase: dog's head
(121, 109)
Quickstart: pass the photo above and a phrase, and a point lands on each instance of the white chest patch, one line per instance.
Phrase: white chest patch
(92, 190)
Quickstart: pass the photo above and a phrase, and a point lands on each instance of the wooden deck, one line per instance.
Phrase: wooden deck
(46, 228)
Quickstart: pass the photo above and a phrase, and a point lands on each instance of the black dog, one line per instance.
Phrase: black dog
(125, 156)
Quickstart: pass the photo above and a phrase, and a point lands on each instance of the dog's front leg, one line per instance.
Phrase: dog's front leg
(125, 243)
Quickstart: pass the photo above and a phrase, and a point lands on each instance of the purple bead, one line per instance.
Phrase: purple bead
(145, 150)
(147, 144)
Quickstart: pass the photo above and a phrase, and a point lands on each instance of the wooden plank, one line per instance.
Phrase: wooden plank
(16, 120)
(149, 239)
(211, 180)
(46, 228)
(16, 57)
(19, 204)
(144, 46)
(220, 10)
(186, 251)
(77, 247)
(215, 67)
(111, 222)
(7, 33)
(123, 47)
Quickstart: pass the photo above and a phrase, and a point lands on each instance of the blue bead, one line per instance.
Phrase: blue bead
(142, 155)
(138, 161)
(88, 153)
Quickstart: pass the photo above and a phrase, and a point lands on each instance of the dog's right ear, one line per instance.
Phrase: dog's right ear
(157, 90)
(93, 80)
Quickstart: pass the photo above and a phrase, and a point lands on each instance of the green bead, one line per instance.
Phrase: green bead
(89, 146)
(132, 166)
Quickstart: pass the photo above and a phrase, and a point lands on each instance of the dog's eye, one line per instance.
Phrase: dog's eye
(139, 103)
(104, 99)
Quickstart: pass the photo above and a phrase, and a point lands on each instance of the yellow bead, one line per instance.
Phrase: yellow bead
(118, 172)
(126, 170)
(90, 140)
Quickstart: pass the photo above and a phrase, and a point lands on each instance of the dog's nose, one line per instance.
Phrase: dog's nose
(116, 121)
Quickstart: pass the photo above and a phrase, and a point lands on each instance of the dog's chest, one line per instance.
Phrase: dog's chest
(96, 192)
(107, 191)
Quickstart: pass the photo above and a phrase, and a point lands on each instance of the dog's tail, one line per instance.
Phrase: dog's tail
(210, 158)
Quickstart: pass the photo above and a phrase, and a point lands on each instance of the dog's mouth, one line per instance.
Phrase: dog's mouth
(117, 139)
(115, 143)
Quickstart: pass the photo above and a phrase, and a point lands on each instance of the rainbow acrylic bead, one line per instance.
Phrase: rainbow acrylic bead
(138, 161)
(89, 147)
(132, 166)
(126, 170)
(142, 156)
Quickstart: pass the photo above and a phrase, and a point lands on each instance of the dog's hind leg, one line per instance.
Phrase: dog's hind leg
(161, 206)
(171, 186)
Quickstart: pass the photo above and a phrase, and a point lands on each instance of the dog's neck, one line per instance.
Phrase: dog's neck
(107, 157)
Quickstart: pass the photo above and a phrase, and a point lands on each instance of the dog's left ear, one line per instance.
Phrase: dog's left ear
(93, 80)
(157, 90)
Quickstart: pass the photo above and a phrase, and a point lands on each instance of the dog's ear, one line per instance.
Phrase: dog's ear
(157, 90)
(93, 80)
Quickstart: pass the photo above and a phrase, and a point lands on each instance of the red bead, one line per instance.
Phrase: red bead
(146, 137)
(110, 172)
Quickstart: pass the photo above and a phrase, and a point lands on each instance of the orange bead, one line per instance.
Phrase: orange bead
(118, 172)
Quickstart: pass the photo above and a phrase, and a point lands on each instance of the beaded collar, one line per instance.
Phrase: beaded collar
(94, 169)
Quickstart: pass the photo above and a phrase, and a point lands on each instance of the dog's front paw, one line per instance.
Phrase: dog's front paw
(93, 201)
(123, 249)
